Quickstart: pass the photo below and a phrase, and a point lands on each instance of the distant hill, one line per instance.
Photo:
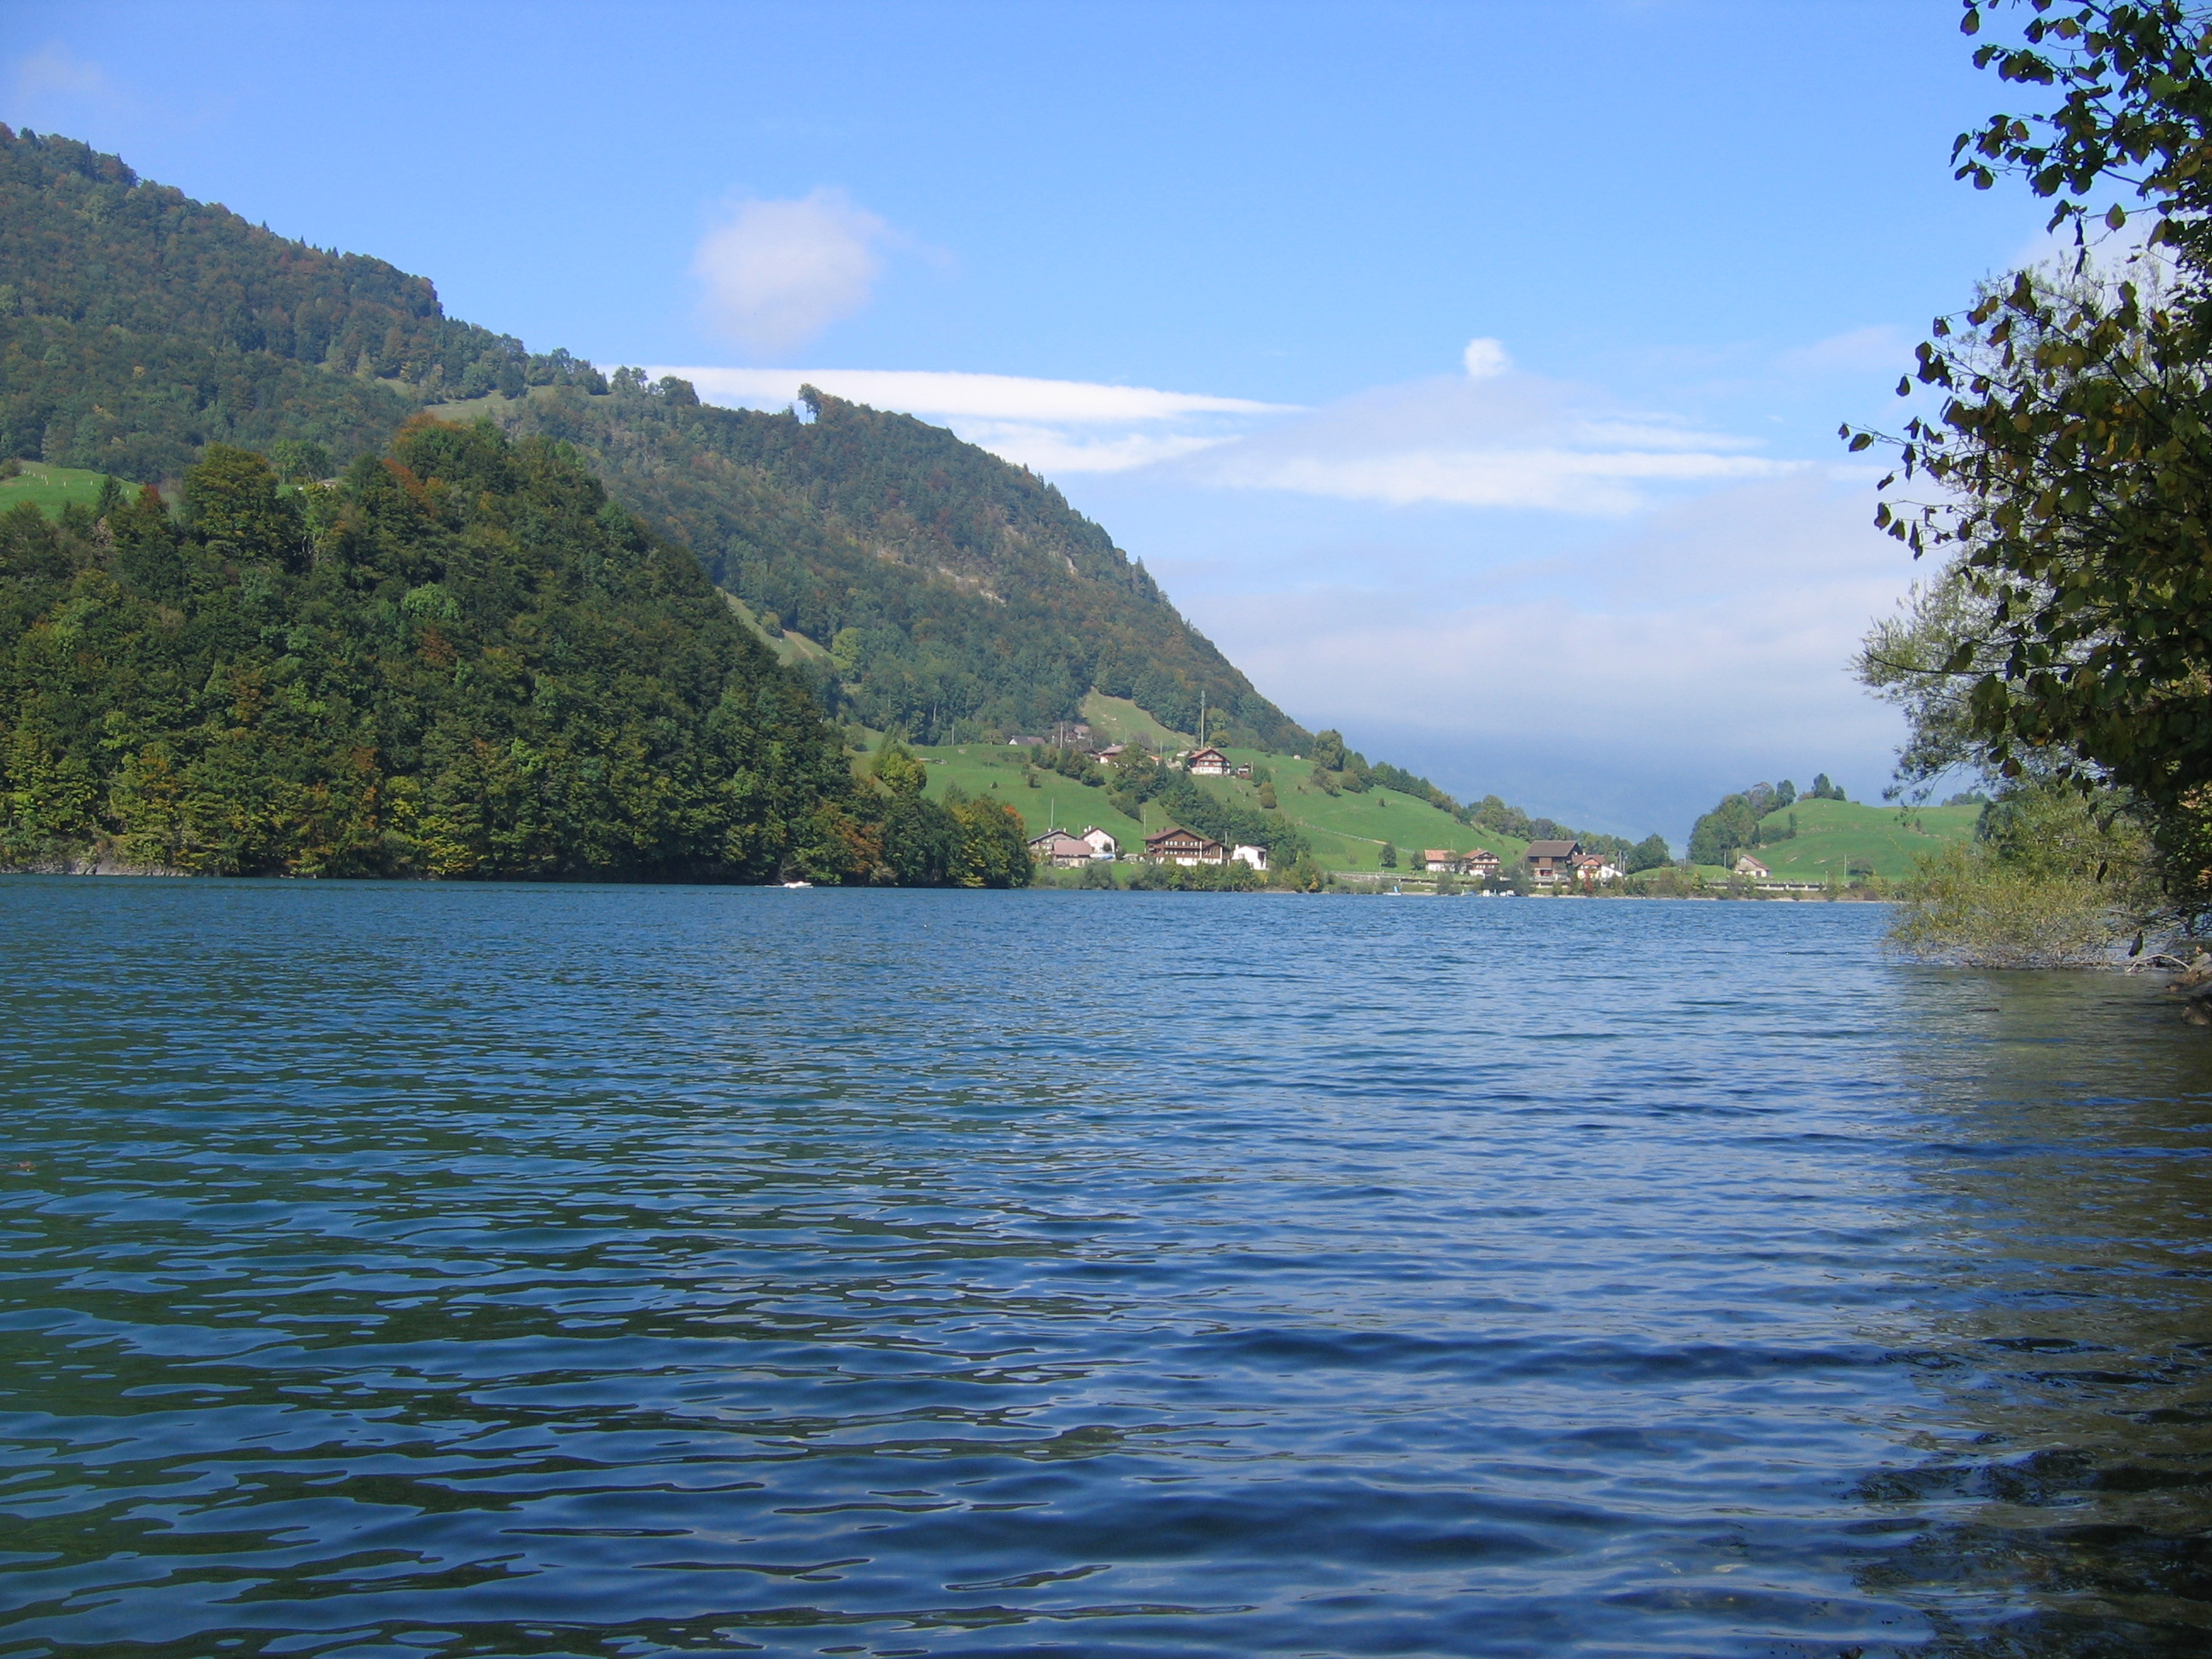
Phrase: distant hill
(915, 582)
(951, 592)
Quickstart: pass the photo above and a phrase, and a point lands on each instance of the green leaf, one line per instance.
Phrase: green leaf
(2115, 216)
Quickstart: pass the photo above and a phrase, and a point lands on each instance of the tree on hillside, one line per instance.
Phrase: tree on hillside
(896, 768)
(1716, 835)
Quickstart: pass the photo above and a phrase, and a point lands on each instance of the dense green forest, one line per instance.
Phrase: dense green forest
(956, 593)
(463, 659)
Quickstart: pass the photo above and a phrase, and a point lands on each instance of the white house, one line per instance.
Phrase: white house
(1102, 845)
(1245, 853)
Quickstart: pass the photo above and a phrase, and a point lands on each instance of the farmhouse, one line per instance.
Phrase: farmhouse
(1442, 858)
(1179, 846)
(1590, 869)
(1748, 865)
(1102, 845)
(1209, 763)
(1551, 862)
(1059, 849)
(1478, 863)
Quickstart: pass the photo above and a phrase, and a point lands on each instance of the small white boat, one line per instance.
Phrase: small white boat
(799, 883)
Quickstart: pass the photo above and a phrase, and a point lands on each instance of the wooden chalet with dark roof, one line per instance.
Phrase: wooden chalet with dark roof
(1552, 862)
(1181, 846)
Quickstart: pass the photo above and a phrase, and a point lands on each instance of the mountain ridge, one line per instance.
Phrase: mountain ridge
(138, 325)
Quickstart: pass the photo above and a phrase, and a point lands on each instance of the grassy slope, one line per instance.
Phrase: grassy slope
(999, 772)
(1117, 720)
(1832, 835)
(52, 487)
(788, 646)
(1347, 831)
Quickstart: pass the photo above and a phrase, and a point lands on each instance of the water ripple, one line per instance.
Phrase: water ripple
(625, 1272)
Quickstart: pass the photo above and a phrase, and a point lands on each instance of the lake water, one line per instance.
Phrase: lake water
(414, 1270)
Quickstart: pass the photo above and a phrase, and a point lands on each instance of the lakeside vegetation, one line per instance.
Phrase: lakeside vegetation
(2058, 648)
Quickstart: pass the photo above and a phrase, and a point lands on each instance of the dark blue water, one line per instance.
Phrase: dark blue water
(410, 1270)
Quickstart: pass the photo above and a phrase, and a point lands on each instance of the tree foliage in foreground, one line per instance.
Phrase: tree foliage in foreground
(462, 661)
(2068, 635)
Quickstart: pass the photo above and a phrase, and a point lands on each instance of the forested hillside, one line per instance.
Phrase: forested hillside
(461, 659)
(956, 593)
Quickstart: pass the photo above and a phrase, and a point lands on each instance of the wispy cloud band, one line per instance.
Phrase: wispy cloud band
(1492, 437)
(989, 397)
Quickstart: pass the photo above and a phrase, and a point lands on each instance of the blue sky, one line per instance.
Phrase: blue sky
(1608, 563)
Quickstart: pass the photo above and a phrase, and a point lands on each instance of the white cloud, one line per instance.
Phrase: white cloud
(1501, 439)
(1698, 651)
(55, 71)
(778, 273)
(1053, 426)
(1507, 440)
(1485, 359)
(1562, 481)
(990, 396)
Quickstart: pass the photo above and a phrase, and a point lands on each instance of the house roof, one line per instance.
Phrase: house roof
(1553, 849)
(1438, 854)
(1176, 832)
(1208, 754)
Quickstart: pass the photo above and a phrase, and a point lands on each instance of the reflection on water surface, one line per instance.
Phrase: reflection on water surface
(416, 1270)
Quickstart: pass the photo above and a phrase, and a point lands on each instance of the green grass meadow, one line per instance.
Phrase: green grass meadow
(1833, 836)
(1347, 830)
(999, 772)
(50, 488)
